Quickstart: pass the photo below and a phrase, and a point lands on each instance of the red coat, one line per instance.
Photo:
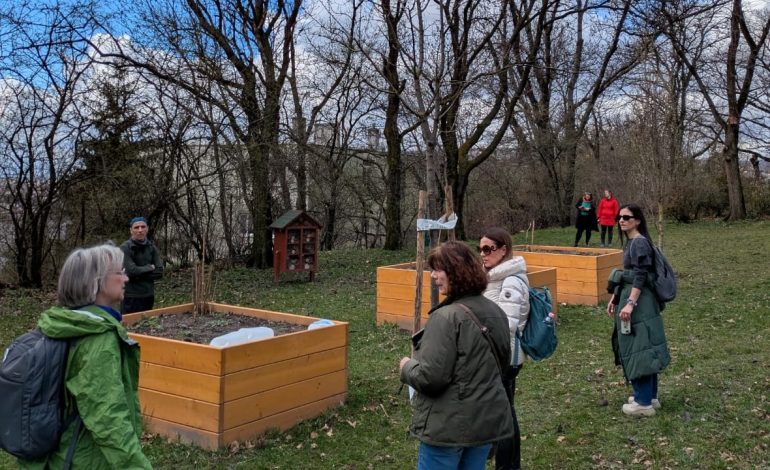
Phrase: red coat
(608, 211)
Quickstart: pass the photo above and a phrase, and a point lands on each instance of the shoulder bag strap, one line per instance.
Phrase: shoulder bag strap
(484, 333)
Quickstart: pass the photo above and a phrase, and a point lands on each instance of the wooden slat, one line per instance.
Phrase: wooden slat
(401, 307)
(574, 274)
(175, 431)
(259, 379)
(131, 318)
(578, 287)
(186, 411)
(282, 421)
(558, 260)
(610, 260)
(603, 274)
(279, 400)
(404, 322)
(180, 354)
(392, 275)
(180, 382)
(280, 348)
(396, 291)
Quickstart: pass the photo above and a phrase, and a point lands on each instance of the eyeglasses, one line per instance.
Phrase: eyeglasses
(625, 217)
(122, 272)
(486, 249)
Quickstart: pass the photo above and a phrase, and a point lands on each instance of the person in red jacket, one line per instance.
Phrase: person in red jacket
(608, 215)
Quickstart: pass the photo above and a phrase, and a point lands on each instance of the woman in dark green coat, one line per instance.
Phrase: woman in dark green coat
(642, 349)
(460, 406)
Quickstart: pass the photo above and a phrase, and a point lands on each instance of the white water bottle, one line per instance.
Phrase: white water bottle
(625, 327)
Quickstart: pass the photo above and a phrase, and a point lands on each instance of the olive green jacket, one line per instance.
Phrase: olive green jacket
(460, 400)
(645, 350)
(101, 379)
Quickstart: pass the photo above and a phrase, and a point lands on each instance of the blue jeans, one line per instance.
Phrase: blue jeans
(645, 389)
(449, 458)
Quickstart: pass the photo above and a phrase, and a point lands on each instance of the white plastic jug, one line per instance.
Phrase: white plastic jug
(242, 336)
(320, 324)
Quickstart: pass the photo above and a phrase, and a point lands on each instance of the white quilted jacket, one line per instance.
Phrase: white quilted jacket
(512, 295)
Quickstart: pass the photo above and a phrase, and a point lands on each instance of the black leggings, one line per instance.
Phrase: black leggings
(607, 229)
(580, 234)
(508, 453)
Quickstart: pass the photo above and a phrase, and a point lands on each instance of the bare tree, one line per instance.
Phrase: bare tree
(242, 47)
(731, 88)
(574, 69)
(45, 72)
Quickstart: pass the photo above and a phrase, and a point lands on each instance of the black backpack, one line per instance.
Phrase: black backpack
(665, 282)
(32, 397)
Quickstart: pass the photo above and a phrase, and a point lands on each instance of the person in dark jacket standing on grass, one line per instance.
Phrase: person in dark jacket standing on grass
(460, 407)
(143, 266)
(644, 350)
(586, 218)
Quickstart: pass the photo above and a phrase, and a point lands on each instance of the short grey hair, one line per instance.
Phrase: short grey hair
(84, 271)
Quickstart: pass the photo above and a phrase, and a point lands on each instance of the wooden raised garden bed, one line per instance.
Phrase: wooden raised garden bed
(212, 396)
(581, 272)
(395, 292)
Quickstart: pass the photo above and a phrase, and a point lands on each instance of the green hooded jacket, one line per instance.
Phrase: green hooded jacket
(460, 400)
(101, 379)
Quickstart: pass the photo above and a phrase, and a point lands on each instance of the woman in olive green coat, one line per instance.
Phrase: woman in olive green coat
(460, 406)
(643, 350)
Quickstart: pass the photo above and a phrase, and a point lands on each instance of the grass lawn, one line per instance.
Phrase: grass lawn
(715, 394)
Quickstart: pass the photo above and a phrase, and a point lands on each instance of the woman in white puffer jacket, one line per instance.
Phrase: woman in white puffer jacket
(508, 287)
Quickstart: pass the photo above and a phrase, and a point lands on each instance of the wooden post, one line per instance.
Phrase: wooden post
(448, 209)
(419, 264)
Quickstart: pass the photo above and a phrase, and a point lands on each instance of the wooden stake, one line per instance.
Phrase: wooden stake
(448, 209)
(419, 264)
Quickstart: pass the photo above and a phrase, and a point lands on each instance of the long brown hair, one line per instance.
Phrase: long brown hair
(462, 266)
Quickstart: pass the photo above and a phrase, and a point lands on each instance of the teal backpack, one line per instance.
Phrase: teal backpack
(538, 339)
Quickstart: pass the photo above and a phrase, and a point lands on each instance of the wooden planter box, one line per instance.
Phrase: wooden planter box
(213, 396)
(581, 272)
(395, 292)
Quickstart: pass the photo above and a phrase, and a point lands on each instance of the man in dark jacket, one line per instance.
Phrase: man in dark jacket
(143, 266)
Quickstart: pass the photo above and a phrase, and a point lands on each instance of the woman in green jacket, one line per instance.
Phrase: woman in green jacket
(643, 350)
(460, 406)
(102, 371)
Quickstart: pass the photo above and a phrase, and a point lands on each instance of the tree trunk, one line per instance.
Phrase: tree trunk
(733, 173)
(392, 138)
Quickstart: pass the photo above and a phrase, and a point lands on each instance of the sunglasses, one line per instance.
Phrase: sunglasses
(625, 217)
(486, 249)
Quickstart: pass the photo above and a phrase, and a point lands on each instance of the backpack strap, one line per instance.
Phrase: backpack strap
(484, 333)
(518, 333)
(74, 441)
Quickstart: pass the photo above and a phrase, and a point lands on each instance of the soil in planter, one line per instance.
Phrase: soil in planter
(205, 327)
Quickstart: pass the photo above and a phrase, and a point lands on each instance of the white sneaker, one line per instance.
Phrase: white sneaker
(655, 402)
(635, 409)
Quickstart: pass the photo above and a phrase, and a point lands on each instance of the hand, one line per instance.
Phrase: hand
(152, 266)
(611, 307)
(404, 360)
(626, 311)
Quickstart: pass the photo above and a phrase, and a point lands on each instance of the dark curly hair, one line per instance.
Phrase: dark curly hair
(462, 266)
